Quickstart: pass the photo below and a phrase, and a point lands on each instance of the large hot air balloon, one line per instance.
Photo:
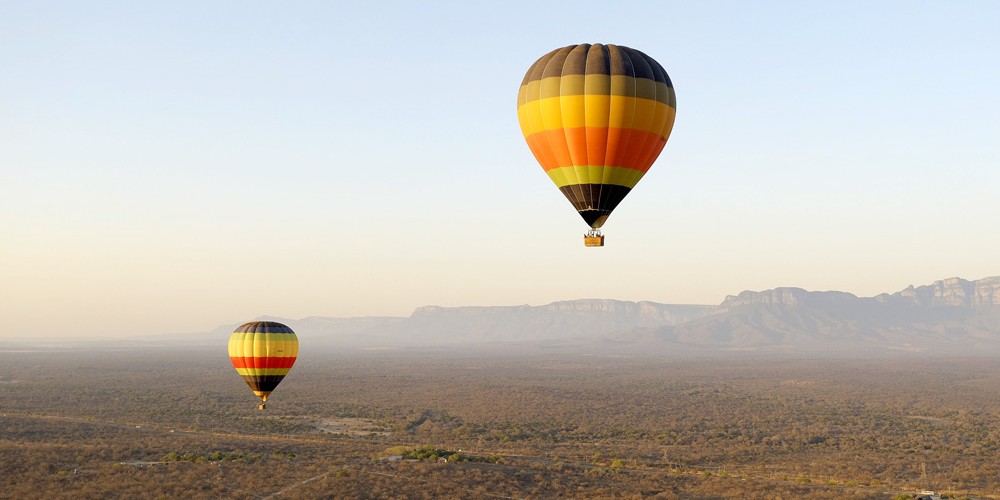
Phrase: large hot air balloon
(263, 352)
(596, 117)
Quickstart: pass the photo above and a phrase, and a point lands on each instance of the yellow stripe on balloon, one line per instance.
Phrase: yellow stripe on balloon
(595, 174)
(558, 176)
(530, 117)
(572, 109)
(275, 345)
(595, 111)
(598, 108)
(550, 111)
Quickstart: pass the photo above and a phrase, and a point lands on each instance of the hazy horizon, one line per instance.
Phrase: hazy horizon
(947, 317)
(173, 167)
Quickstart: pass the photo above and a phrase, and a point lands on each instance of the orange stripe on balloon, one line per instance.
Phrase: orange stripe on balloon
(576, 144)
(628, 148)
(541, 152)
(617, 139)
(259, 362)
(597, 145)
(652, 151)
(632, 155)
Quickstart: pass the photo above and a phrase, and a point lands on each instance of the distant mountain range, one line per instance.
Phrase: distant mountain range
(952, 316)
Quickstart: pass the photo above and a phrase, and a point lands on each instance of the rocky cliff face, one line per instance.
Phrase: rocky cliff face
(629, 314)
(436, 326)
(642, 313)
(951, 292)
(954, 292)
(789, 297)
(559, 320)
(952, 315)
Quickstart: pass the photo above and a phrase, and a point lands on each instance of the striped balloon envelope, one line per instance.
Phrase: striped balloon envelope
(263, 352)
(596, 117)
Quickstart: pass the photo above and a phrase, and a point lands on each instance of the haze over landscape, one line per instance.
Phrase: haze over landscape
(948, 317)
(952, 316)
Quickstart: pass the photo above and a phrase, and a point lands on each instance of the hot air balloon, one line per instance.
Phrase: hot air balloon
(263, 352)
(596, 117)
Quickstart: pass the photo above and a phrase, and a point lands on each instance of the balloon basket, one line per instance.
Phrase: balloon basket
(593, 239)
(262, 406)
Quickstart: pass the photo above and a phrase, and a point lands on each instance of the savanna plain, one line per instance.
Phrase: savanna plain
(169, 423)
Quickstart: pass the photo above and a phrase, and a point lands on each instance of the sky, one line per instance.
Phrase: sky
(169, 167)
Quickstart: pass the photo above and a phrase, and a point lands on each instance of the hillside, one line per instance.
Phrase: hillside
(952, 315)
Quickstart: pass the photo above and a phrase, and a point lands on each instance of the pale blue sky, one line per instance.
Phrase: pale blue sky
(171, 167)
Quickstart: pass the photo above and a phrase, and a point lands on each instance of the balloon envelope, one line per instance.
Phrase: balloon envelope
(596, 117)
(263, 352)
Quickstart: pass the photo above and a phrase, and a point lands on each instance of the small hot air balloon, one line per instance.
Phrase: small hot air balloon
(596, 117)
(263, 352)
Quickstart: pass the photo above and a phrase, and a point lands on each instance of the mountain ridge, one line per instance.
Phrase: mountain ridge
(951, 315)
